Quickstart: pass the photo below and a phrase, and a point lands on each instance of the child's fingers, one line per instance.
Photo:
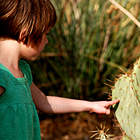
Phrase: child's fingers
(113, 102)
(110, 103)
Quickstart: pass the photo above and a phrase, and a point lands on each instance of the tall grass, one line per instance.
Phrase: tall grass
(92, 42)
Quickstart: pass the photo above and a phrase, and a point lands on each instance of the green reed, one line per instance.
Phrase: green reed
(92, 42)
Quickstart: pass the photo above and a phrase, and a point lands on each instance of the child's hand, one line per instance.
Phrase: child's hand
(102, 107)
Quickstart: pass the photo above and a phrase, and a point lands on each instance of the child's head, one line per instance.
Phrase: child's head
(31, 17)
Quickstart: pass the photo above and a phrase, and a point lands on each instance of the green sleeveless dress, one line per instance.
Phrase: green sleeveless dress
(18, 115)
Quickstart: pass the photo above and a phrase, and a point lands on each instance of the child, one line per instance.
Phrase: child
(23, 28)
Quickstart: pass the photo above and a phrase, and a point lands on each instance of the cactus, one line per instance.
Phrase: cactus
(102, 134)
(127, 111)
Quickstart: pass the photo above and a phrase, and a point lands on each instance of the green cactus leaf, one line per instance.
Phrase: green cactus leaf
(136, 78)
(128, 110)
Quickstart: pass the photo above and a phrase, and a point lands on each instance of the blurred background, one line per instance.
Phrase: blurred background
(92, 43)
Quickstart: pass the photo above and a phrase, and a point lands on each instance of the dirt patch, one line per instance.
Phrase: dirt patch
(76, 126)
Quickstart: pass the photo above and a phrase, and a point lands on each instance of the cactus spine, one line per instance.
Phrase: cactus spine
(127, 90)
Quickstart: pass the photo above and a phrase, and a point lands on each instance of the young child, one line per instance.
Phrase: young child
(23, 28)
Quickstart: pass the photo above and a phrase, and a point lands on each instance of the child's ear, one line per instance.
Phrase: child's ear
(22, 35)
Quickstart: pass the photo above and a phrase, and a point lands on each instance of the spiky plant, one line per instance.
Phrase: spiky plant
(127, 90)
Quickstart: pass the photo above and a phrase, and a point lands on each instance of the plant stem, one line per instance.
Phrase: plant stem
(126, 12)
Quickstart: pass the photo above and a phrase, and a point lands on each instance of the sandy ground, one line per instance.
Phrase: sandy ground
(77, 126)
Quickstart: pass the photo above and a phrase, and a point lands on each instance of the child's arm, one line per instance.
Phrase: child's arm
(53, 104)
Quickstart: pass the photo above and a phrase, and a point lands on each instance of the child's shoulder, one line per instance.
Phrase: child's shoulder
(25, 68)
(3, 76)
(2, 70)
(24, 65)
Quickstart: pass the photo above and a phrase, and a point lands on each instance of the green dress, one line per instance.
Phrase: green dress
(18, 115)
